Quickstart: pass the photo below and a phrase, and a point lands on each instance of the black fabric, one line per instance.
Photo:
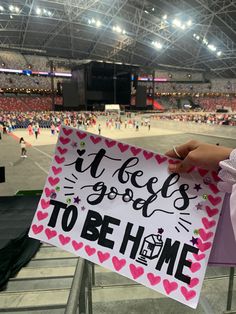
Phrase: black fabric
(16, 254)
(16, 248)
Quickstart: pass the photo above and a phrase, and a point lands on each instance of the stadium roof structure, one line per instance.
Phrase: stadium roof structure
(186, 34)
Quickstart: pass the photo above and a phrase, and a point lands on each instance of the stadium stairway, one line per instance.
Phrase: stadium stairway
(43, 286)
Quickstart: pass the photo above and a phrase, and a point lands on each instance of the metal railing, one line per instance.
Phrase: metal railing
(80, 297)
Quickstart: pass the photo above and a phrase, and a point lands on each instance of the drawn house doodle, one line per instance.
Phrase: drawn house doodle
(151, 248)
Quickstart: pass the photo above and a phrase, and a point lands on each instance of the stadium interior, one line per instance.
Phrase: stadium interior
(153, 74)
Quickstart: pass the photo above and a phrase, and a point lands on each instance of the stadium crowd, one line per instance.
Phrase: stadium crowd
(46, 119)
(208, 118)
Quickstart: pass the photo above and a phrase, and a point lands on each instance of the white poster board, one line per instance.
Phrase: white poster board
(118, 206)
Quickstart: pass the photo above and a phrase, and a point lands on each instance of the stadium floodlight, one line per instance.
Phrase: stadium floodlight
(118, 29)
(153, 9)
(93, 21)
(164, 17)
(38, 11)
(219, 53)
(177, 23)
(197, 37)
(157, 45)
(124, 32)
(1, 8)
(189, 23)
(146, 11)
(17, 10)
(205, 41)
(212, 47)
(11, 8)
(49, 13)
(98, 23)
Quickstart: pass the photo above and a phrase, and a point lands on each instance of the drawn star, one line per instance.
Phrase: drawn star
(197, 187)
(83, 208)
(199, 206)
(74, 144)
(194, 241)
(77, 200)
(160, 230)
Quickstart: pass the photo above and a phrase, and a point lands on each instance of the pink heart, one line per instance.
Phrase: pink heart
(147, 155)
(53, 181)
(214, 188)
(195, 267)
(37, 229)
(123, 147)
(215, 176)
(77, 245)
(64, 140)
(160, 159)
(205, 235)
(56, 171)
(199, 257)
(211, 211)
(154, 280)
(135, 151)
(89, 250)
(202, 172)
(103, 256)
(44, 204)
(118, 263)
(41, 215)
(95, 140)
(136, 271)
(59, 160)
(203, 246)
(208, 223)
(81, 135)
(173, 162)
(110, 143)
(67, 131)
(50, 233)
(214, 200)
(48, 192)
(193, 282)
(169, 286)
(188, 294)
(64, 240)
(62, 150)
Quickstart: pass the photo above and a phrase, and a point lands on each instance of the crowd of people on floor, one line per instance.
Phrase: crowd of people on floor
(208, 118)
(46, 119)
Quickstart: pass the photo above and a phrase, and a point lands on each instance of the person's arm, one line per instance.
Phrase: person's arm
(195, 153)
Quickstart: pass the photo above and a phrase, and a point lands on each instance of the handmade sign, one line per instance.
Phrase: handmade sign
(118, 206)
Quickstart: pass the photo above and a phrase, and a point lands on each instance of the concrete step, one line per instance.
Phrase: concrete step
(52, 252)
(53, 262)
(19, 285)
(54, 310)
(45, 272)
(33, 299)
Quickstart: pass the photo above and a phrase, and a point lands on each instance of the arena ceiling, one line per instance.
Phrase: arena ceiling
(191, 34)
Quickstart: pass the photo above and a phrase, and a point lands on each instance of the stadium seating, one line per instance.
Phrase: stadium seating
(27, 103)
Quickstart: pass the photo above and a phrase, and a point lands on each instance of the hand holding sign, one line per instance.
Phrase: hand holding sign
(118, 206)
